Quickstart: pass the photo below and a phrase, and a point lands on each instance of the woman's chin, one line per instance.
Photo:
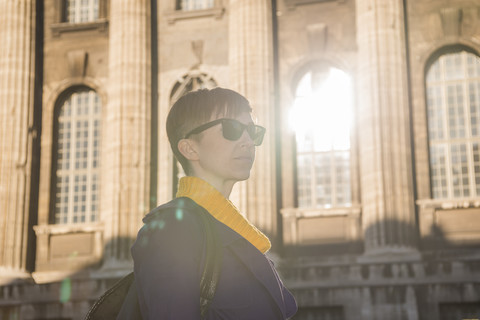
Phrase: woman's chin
(243, 176)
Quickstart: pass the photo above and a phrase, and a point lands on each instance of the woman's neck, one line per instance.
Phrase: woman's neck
(223, 186)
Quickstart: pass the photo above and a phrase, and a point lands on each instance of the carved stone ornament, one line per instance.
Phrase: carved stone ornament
(317, 37)
(451, 21)
(77, 62)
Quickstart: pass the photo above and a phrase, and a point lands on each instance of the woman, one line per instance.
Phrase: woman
(212, 135)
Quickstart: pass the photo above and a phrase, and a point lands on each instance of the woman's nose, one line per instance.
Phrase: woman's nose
(246, 140)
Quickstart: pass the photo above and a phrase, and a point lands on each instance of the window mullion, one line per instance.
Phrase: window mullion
(78, 11)
(91, 12)
(468, 131)
(333, 172)
(89, 169)
(447, 131)
(92, 116)
(313, 180)
(73, 150)
(476, 139)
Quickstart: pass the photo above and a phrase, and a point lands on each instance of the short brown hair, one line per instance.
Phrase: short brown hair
(198, 107)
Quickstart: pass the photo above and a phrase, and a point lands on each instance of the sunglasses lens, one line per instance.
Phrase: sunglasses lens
(256, 133)
(232, 130)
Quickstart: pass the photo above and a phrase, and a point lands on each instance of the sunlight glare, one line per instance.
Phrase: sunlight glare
(322, 117)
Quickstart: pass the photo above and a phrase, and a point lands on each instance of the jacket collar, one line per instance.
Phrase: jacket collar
(255, 261)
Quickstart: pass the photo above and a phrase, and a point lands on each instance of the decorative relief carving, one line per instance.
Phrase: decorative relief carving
(317, 37)
(451, 21)
(470, 20)
(77, 62)
(197, 48)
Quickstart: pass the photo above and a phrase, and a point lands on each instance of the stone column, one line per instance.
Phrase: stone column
(251, 74)
(126, 144)
(388, 214)
(17, 72)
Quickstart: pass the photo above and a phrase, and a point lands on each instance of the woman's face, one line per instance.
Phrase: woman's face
(222, 161)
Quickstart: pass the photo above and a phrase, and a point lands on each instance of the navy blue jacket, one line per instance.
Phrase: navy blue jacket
(168, 261)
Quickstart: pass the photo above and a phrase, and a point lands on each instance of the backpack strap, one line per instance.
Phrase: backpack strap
(110, 303)
(213, 263)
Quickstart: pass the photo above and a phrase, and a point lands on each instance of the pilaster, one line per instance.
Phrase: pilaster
(126, 151)
(388, 213)
(17, 72)
(251, 65)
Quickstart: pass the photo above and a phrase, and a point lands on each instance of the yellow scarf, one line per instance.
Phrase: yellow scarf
(222, 209)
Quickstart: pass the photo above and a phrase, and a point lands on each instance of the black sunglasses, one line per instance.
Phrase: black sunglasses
(233, 129)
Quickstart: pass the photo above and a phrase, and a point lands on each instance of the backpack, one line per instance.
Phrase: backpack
(121, 302)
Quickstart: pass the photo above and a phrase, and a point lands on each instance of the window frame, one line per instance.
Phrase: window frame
(62, 99)
(447, 142)
(65, 12)
(333, 207)
(60, 25)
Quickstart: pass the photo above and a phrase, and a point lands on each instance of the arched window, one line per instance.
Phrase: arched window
(321, 117)
(453, 103)
(77, 158)
(76, 11)
(189, 82)
(189, 5)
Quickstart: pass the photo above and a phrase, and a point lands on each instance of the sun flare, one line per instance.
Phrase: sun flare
(321, 115)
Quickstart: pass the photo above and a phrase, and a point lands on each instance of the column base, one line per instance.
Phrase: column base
(390, 254)
(8, 276)
(41, 277)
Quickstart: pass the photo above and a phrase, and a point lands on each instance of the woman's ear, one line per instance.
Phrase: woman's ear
(187, 149)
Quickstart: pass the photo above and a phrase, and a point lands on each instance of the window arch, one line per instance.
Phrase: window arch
(77, 156)
(321, 118)
(189, 82)
(453, 106)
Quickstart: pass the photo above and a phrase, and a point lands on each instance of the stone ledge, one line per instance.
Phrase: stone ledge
(43, 277)
(12, 276)
(381, 283)
(387, 274)
(216, 12)
(319, 212)
(390, 255)
(291, 4)
(67, 228)
(58, 28)
(449, 203)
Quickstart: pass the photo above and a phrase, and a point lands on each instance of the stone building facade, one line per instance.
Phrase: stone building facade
(368, 182)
